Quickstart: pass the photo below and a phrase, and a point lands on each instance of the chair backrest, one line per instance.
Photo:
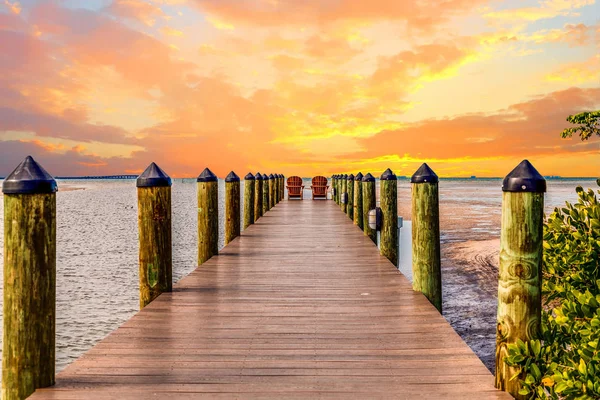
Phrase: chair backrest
(319, 190)
(319, 181)
(294, 181)
(294, 190)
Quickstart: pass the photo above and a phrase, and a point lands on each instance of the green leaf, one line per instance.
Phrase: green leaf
(582, 367)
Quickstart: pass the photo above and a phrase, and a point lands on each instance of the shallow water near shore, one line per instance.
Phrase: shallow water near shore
(97, 254)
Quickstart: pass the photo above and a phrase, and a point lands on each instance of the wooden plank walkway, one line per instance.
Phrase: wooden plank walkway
(300, 306)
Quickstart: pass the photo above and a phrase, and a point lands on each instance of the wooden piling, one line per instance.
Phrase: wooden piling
(275, 190)
(266, 204)
(388, 195)
(28, 343)
(519, 282)
(427, 275)
(282, 187)
(333, 187)
(208, 216)
(343, 191)
(232, 207)
(350, 191)
(358, 200)
(258, 196)
(155, 234)
(339, 189)
(271, 191)
(249, 189)
(369, 203)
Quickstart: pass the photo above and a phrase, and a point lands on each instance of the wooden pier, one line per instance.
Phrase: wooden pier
(301, 305)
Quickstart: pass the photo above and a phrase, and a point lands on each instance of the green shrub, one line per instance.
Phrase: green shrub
(565, 362)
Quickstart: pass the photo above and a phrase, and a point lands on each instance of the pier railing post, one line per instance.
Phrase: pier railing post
(265, 194)
(232, 207)
(369, 203)
(154, 225)
(358, 200)
(344, 193)
(350, 191)
(281, 187)
(389, 209)
(271, 191)
(28, 343)
(338, 189)
(208, 215)
(519, 283)
(334, 182)
(275, 189)
(427, 274)
(332, 187)
(258, 196)
(249, 184)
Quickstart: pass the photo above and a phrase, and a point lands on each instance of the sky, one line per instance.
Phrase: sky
(299, 87)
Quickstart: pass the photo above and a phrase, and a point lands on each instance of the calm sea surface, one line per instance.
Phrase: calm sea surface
(97, 246)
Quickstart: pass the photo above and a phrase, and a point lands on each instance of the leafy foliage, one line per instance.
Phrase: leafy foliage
(589, 123)
(565, 362)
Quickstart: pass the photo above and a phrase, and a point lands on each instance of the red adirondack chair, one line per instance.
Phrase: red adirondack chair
(295, 187)
(319, 187)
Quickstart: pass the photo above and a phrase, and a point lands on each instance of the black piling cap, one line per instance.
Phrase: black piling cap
(424, 175)
(153, 176)
(207, 176)
(29, 178)
(249, 177)
(524, 178)
(258, 176)
(358, 177)
(232, 177)
(351, 177)
(388, 175)
(345, 176)
(270, 177)
(368, 178)
(265, 177)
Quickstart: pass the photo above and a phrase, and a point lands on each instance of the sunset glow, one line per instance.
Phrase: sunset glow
(307, 87)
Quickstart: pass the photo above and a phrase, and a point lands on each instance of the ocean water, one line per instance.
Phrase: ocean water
(97, 253)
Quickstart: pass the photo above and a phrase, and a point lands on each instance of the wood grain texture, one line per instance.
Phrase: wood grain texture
(335, 183)
(289, 310)
(208, 220)
(249, 190)
(368, 204)
(28, 343)
(232, 211)
(358, 204)
(266, 202)
(271, 193)
(343, 189)
(258, 199)
(155, 252)
(350, 205)
(427, 272)
(389, 221)
(519, 282)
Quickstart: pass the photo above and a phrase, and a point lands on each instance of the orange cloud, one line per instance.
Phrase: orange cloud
(138, 10)
(579, 72)
(171, 32)
(574, 35)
